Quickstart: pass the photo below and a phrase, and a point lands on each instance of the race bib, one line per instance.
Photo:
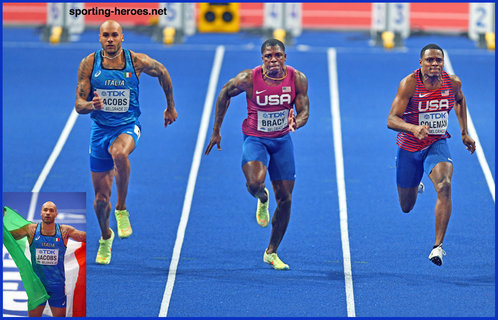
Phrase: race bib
(115, 100)
(437, 121)
(273, 121)
(47, 257)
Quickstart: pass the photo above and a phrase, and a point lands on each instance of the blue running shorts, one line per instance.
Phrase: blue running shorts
(57, 295)
(410, 166)
(101, 138)
(277, 154)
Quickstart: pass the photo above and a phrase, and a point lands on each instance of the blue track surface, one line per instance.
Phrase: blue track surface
(221, 272)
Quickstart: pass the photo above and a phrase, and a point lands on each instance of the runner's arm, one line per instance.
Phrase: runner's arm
(235, 86)
(461, 113)
(83, 88)
(302, 101)
(73, 233)
(25, 231)
(153, 68)
(394, 120)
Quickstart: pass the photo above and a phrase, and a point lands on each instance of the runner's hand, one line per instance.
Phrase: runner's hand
(215, 139)
(170, 116)
(469, 142)
(292, 120)
(97, 101)
(421, 132)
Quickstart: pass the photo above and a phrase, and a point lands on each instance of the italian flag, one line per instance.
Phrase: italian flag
(75, 267)
(127, 74)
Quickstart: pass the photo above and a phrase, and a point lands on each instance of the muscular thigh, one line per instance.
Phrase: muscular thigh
(409, 168)
(125, 140)
(438, 153)
(101, 140)
(254, 159)
(282, 165)
(254, 149)
(122, 144)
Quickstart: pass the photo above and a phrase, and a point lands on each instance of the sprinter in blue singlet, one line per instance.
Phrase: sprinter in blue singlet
(108, 89)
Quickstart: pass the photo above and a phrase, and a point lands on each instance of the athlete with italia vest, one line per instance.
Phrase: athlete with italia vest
(420, 112)
(108, 90)
(272, 90)
(47, 244)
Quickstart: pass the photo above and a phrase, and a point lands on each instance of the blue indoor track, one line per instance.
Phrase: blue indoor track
(220, 270)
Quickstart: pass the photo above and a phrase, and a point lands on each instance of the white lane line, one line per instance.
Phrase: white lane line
(50, 162)
(32, 206)
(201, 138)
(341, 185)
(473, 133)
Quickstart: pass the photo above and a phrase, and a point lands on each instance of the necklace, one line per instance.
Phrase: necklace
(271, 78)
(117, 55)
(433, 81)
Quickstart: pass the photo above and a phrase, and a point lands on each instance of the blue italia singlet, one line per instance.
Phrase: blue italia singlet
(47, 257)
(119, 91)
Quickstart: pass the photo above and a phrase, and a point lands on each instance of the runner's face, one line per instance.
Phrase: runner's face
(274, 60)
(48, 212)
(432, 62)
(110, 37)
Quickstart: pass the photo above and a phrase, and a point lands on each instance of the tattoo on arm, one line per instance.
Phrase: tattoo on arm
(84, 86)
(64, 233)
(83, 76)
(19, 233)
(154, 68)
(74, 234)
(166, 84)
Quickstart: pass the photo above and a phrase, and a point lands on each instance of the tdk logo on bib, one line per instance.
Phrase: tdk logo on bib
(273, 100)
(275, 115)
(435, 115)
(113, 93)
(115, 100)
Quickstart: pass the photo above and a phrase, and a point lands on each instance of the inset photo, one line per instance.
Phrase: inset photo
(44, 254)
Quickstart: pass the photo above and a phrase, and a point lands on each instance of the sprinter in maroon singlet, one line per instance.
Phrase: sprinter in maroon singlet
(420, 112)
(272, 90)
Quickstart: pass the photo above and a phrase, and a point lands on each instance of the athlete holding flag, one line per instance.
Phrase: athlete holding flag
(47, 245)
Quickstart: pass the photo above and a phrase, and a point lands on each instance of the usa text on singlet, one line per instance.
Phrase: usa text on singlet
(268, 109)
(430, 108)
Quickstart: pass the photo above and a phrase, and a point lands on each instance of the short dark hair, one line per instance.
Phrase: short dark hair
(430, 46)
(272, 43)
